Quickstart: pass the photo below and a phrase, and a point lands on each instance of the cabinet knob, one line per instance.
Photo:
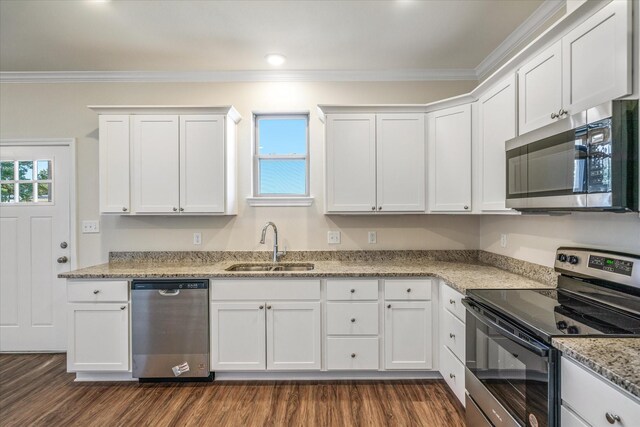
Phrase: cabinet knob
(181, 209)
(452, 301)
(466, 207)
(268, 307)
(408, 289)
(122, 307)
(554, 116)
(379, 208)
(261, 307)
(452, 335)
(562, 112)
(612, 418)
(353, 355)
(175, 209)
(353, 291)
(124, 209)
(353, 320)
(63, 245)
(389, 306)
(452, 376)
(96, 291)
(373, 208)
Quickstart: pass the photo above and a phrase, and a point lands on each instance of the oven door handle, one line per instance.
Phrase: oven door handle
(539, 350)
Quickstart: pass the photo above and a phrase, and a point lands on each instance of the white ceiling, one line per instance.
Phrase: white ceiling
(205, 36)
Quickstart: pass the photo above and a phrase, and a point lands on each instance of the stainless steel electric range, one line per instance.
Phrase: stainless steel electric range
(512, 371)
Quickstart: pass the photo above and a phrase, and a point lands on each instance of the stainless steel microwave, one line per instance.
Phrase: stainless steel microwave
(586, 162)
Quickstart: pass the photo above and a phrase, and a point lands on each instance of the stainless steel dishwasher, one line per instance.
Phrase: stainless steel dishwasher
(170, 329)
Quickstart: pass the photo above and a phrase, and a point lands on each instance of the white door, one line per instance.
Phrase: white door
(114, 163)
(155, 164)
(351, 162)
(596, 58)
(540, 89)
(293, 336)
(497, 124)
(450, 160)
(99, 339)
(237, 336)
(408, 335)
(401, 162)
(202, 164)
(34, 235)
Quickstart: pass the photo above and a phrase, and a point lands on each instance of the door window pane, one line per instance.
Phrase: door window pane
(6, 193)
(44, 192)
(25, 170)
(6, 171)
(283, 176)
(25, 192)
(44, 169)
(33, 183)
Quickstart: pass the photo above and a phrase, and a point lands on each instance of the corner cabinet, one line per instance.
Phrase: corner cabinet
(167, 160)
(375, 160)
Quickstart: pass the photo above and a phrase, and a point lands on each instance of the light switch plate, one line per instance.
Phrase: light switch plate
(197, 238)
(333, 237)
(90, 227)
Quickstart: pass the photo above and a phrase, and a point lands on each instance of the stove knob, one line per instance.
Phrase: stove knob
(573, 259)
(562, 258)
(572, 330)
(561, 325)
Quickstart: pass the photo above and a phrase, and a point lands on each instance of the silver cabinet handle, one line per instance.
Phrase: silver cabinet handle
(554, 116)
(353, 320)
(63, 260)
(175, 209)
(96, 292)
(268, 307)
(353, 355)
(124, 209)
(408, 289)
(379, 208)
(261, 307)
(612, 418)
(373, 208)
(389, 306)
(466, 207)
(452, 301)
(122, 307)
(181, 209)
(452, 335)
(353, 291)
(562, 112)
(452, 376)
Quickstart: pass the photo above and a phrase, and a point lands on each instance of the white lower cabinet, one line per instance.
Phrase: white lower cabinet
(603, 405)
(293, 336)
(408, 335)
(452, 340)
(98, 337)
(452, 370)
(348, 353)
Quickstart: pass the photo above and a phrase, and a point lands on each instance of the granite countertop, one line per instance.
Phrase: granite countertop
(616, 359)
(459, 275)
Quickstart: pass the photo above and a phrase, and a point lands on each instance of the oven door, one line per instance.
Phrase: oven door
(509, 375)
(548, 173)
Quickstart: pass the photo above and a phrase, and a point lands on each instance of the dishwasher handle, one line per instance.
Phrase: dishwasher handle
(169, 292)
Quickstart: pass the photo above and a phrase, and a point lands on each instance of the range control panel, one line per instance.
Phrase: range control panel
(596, 264)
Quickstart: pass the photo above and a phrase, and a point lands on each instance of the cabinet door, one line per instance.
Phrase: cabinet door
(293, 336)
(98, 337)
(155, 164)
(351, 163)
(540, 89)
(237, 336)
(114, 163)
(408, 336)
(497, 124)
(596, 58)
(450, 160)
(401, 162)
(202, 164)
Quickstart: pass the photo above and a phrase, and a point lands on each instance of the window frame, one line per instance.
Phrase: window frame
(34, 181)
(257, 195)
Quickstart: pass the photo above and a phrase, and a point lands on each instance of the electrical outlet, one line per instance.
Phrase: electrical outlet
(503, 240)
(90, 226)
(333, 237)
(373, 237)
(197, 238)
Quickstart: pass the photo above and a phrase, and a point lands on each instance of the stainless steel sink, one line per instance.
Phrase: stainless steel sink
(271, 267)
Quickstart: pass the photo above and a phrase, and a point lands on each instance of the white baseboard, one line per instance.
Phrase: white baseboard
(104, 376)
(326, 376)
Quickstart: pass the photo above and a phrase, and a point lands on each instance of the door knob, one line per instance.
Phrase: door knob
(64, 245)
(63, 260)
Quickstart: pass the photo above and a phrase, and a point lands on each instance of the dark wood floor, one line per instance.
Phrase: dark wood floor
(35, 390)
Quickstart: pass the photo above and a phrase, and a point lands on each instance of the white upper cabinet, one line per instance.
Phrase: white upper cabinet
(156, 163)
(114, 163)
(596, 58)
(588, 66)
(497, 124)
(449, 156)
(540, 89)
(351, 162)
(168, 164)
(375, 162)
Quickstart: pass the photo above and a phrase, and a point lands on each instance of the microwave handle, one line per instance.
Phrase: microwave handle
(540, 351)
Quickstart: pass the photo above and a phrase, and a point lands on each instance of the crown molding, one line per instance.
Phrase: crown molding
(541, 15)
(234, 76)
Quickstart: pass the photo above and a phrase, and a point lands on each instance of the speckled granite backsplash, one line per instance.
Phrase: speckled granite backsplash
(471, 256)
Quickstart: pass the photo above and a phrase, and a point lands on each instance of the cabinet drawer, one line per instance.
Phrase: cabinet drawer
(601, 399)
(452, 301)
(349, 318)
(569, 419)
(97, 291)
(452, 333)
(352, 290)
(352, 353)
(265, 289)
(452, 371)
(408, 290)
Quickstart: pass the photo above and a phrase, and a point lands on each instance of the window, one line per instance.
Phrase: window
(281, 165)
(25, 181)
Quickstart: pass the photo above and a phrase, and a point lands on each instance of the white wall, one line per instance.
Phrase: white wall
(59, 110)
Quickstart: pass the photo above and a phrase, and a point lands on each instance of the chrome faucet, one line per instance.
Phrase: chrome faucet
(276, 254)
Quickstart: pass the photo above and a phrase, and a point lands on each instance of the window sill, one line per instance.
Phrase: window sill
(280, 201)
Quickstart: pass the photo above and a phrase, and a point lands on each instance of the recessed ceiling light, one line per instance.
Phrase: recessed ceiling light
(275, 59)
